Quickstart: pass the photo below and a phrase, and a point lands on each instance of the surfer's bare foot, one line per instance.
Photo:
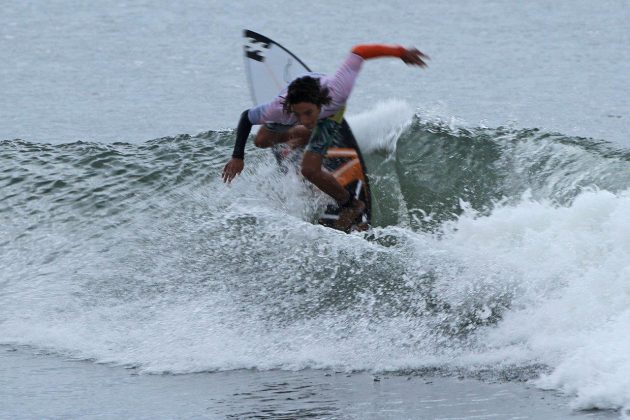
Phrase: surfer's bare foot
(349, 214)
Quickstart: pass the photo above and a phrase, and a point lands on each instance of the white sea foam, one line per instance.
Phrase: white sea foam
(572, 310)
(238, 278)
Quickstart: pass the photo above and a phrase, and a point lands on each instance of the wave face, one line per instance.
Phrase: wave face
(495, 252)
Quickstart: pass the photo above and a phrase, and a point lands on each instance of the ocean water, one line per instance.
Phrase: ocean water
(500, 176)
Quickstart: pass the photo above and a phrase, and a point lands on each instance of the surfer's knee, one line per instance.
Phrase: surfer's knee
(301, 133)
(264, 138)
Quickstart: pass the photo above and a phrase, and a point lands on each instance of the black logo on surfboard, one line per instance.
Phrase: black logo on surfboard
(256, 45)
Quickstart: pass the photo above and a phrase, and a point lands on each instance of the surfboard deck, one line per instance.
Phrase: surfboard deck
(270, 68)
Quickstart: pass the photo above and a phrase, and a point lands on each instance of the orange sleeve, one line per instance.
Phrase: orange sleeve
(367, 51)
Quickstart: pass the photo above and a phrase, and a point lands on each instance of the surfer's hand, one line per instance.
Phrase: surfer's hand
(414, 57)
(232, 168)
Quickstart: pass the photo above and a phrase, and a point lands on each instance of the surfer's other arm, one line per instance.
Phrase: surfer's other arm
(236, 164)
(411, 56)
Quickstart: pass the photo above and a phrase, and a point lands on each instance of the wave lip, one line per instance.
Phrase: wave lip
(439, 166)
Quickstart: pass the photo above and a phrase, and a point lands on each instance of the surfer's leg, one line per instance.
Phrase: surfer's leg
(271, 134)
(325, 181)
(351, 207)
(268, 135)
(324, 135)
(298, 136)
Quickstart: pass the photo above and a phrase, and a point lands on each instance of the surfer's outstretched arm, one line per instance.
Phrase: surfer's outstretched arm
(411, 56)
(342, 82)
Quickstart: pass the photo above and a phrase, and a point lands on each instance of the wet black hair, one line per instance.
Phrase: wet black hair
(305, 89)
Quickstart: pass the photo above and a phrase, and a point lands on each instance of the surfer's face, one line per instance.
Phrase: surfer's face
(307, 113)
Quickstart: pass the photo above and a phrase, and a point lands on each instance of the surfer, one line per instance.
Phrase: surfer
(309, 112)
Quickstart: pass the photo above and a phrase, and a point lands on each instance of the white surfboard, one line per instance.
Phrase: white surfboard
(270, 67)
